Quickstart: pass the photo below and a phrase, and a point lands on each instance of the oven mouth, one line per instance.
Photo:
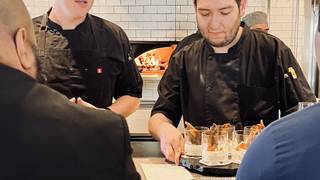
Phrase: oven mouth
(152, 57)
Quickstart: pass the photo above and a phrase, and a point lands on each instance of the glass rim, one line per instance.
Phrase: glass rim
(201, 128)
(215, 134)
(242, 132)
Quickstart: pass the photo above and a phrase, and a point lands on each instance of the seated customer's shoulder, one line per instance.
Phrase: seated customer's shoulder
(50, 104)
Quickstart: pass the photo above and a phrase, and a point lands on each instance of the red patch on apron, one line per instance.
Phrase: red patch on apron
(99, 71)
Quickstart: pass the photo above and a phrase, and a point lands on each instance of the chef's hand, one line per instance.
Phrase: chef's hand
(171, 142)
(82, 102)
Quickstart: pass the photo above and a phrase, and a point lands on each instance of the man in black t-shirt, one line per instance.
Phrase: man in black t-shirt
(87, 58)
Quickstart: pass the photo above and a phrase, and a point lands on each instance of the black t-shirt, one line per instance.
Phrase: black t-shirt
(80, 38)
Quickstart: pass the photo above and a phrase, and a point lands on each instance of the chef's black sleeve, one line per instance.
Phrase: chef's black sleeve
(129, 82)
(169, 90)
(294, 87)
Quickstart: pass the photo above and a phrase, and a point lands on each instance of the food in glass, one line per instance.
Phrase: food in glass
(214, 146)
(192, 137)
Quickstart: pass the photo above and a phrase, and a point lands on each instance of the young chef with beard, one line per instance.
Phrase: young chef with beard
(231, 75)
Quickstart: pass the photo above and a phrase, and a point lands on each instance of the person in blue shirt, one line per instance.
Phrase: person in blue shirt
(288, 148)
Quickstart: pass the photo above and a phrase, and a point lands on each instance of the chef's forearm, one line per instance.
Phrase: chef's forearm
(156, 123)
(125, 105)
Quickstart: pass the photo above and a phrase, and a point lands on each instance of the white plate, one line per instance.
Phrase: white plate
(215, 163)
(190, 157)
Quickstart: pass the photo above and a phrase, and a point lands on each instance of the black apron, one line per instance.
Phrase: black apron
(75, 73)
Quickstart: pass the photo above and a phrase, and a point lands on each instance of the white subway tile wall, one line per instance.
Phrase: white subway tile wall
(169, 20)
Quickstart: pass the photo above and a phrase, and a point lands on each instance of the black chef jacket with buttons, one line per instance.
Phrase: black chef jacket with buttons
(98, 68)
(256, 78)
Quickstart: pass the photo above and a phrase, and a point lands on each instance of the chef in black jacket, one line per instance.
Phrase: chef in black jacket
(186, 41)
(42, 134)
(86, 57)
(232, 75)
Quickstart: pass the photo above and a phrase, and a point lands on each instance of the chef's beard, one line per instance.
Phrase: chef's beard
(230, 34)
(226, 41)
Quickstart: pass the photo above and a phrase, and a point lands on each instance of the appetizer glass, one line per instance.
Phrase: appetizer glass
(230, 136)
(214, 147)
(192, 145)
(240, 145)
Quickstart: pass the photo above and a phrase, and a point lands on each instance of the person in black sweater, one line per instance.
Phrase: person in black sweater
(42, 134)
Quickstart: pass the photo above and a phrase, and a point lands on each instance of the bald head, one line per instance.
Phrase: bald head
(14, 15)
(17, 37)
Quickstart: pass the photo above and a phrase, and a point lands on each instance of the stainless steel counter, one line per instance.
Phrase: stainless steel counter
(138, 121)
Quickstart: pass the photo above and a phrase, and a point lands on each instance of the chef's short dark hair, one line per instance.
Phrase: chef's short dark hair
(195, 2)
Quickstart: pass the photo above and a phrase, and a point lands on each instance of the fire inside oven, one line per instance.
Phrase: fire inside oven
(152, 57)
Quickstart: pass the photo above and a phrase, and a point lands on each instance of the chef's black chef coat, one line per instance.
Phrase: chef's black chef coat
(94, 61)
(256, 78)
(187, 40)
